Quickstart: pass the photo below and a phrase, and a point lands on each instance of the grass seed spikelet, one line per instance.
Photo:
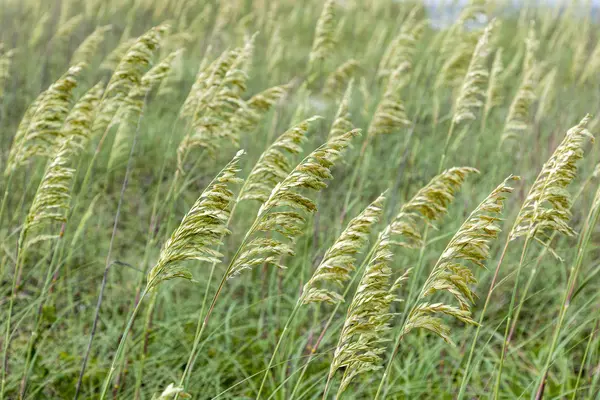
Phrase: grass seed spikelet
(472, 92)
(311, 175)
(338, 262)
(470, 244)
(52, 198)
(547, 206)
(200, 231)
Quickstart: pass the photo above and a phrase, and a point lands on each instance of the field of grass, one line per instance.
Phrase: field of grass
(314, 199)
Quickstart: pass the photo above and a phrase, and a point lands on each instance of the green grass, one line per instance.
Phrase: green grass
(250, 314)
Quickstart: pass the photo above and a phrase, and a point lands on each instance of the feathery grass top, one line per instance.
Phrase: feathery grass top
(390, 115)
(41, 127)
(547, 206)
(273, 166)
(342, 122)
(472, 91)
(200, 231)
(338, 262)
(87, 49)
(52, 198)
(247, 117)
(78, 123)
(324, 40)
(128, 74)
(340, 78)
(470, 244)
(360, 345)
(310, 174)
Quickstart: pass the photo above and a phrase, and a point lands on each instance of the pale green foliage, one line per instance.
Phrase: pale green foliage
(273, 166)
(390, 115)
(341, 122)
(201, 230)
(78, 124)
(458, 46)
(248, 116)
(360, 346)
(339, 79)
(338, 262)
(41, 127)
(128, 75)
(5, 65)
(472, 92)
(518, 121)
(451, 274)
(547, 207)
(87, 49)
(114, 57)
(401, 50)
(493, 97)
(215, 102)
(132, 108)
(310, 174)
(51, 201)
(324, 40)
(361, 342)
(65, 29)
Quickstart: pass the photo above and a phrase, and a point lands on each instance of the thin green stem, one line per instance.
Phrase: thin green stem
(446, 146)
(21, 250)
(583, 361)
(121, 346)
(38, 320)
(510, 311)
(465, 379)
(5, 197)
(281, 337)
(572, 281)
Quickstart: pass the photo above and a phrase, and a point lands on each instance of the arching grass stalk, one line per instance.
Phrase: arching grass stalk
(150, 243)
(547, 196)
(200, 328)
(466, 375)
(362, 222)
(587, 352)
(7, 186)
(584, 240)
(510, 314)
(535, 269)
(107, 265)
(469, 245)
(332, 316)
(38, 317)
(256, 186)
(183, 381)
(254, 249)
(121, 346)
(21, 250)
